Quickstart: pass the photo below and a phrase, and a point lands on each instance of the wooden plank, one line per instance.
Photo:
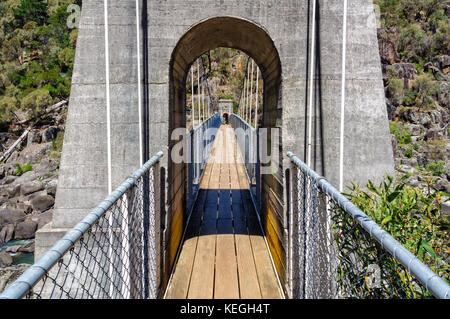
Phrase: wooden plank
(266, 274)
(178, 288)
(226, 281)
(248, 279)
(224, 204)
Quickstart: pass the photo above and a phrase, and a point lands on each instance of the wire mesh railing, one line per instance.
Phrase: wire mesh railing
(113, 253)
(337, 251)
(247, 141)
(200, 142)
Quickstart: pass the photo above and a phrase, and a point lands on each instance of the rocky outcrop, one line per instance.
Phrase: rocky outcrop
(27, 197)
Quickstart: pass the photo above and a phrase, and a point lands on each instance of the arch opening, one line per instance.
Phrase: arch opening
(253, 40)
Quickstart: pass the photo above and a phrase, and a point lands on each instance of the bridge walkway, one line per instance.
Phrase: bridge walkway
(224, 254)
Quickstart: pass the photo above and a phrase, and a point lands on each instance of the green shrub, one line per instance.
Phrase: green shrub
(395, 90)
(23, 169)
(7, 107)
(403, 136)
(37, 101)
(436, 168)
(411, 216)
(409, 153)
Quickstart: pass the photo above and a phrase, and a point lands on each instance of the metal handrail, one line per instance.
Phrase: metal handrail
(38, 270)
(432, 282)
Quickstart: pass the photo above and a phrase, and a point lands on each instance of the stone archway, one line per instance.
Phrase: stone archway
(208, 35)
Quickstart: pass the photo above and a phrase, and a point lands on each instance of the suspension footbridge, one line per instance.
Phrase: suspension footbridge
(247, 206)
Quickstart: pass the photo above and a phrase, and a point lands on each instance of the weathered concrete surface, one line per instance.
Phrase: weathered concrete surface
(266, 29)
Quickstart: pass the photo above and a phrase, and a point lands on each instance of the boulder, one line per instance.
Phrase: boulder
(42, 219)
(51, 187)
(27, 248)
(416, 130)
(33, 137)
(7, 169)
(31, 187)
(13, 190)
(442, 184)
(25, 230)
(391, 111)
(426, 120)
(5, 259)
(8, 180)
(49, 134)
(26, 178)
(13, 249)
(20, 205)
(11, 216)
(433, 134)
(6, 233)
(42, 202)
(388, 48)
(34, 152)
(30, 197)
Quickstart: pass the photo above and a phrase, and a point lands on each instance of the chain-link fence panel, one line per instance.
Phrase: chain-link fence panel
(113, 253)
(337, 251)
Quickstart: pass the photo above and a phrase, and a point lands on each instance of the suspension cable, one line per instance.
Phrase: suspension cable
(138, 37)
(257, 95)
(192, 98)
(311, 83)
(344, 57)
(249, 120)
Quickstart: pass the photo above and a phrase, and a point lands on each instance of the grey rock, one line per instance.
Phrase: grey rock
(28, 248)
(405, 169)
(42, 203)
(33, 137)
(433, 134)
(416, 130)
(13, 157)
(13, 249)
(442, 185)
(409, 162)
(6, 233)
(425, 120)
(51, 187)
(34, 152)
(25, 230)
(30, 188)
(403, 70)
(49, 134)
(30, 197)
(8, 180)
(19, 205)
(13, 190)
(42, 219)
(11, 216)
(5, 259)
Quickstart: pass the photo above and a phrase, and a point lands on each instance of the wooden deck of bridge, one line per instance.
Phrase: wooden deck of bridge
(224, 254)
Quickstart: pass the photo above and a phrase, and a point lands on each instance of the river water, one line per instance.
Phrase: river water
(19, 257)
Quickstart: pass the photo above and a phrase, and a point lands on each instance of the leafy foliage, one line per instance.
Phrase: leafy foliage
(23, 169)
(37, 55)
(412, 216)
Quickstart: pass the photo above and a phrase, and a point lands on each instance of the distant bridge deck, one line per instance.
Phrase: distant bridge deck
(224, 254)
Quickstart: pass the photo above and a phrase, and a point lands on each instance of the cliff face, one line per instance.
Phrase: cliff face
(414, 41)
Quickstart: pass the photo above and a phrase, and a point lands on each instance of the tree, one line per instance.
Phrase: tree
(31, 10)
(36, 101)
(11, 49)
(7, 107)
